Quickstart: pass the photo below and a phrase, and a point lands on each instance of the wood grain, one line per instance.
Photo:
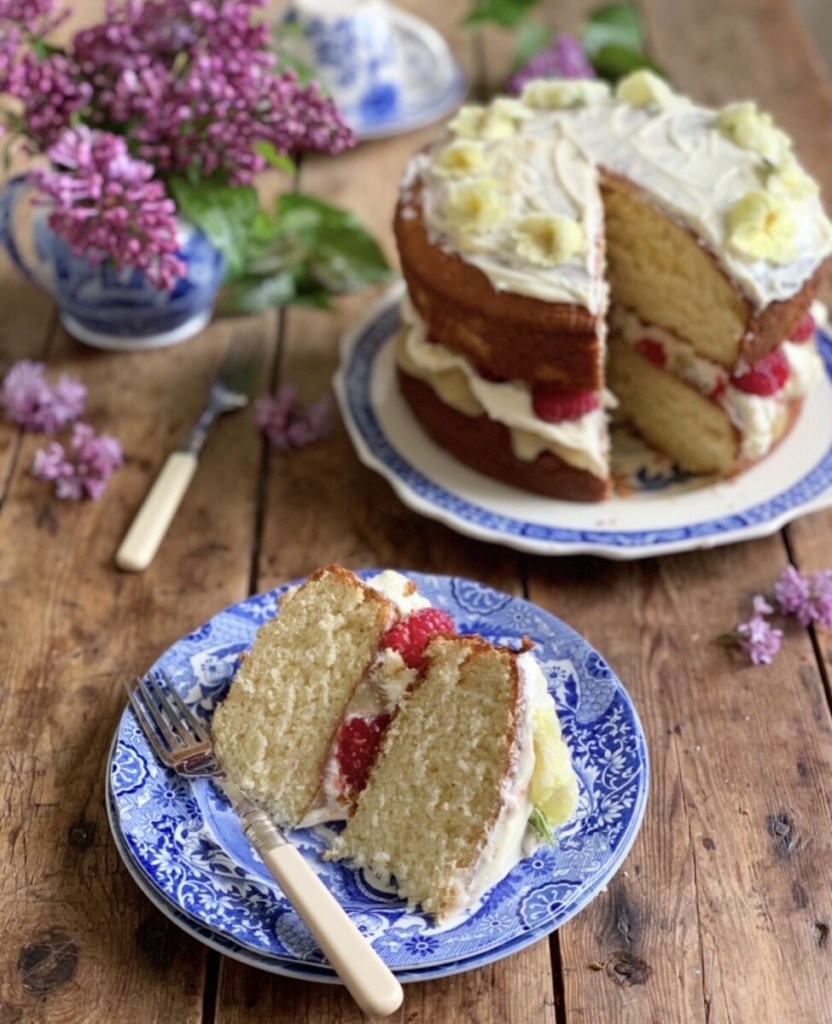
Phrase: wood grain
(722, 910)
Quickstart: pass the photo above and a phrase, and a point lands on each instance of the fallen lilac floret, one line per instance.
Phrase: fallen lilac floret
(85, 470)
(287, 424)
(30, 401)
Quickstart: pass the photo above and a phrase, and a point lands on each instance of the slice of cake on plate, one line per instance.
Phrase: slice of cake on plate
(473, 755)
(443, 752)
(575, 251)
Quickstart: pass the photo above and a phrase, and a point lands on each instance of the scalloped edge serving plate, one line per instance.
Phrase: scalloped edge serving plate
(794, 480)
(183, 843)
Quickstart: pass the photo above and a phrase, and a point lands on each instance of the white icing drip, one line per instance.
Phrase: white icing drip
(398, 589)
(580, 442)
(511, 839)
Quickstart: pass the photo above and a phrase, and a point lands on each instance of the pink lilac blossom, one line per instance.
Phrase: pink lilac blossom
(198, 86)
(107, 205)
(85, 470)
(35, 17)
(809, 600)
(791, 592)
(564, 58)
(286, 424)
(758, 637)
(51, 91)
(191, 87)
(29, 401)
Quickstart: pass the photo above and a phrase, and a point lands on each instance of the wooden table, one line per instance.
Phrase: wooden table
(721, 912)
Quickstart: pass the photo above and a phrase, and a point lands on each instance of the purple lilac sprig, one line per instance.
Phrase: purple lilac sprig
(199, 85)
(563, 58)
(109, 206)
(160, 89)
(807, 598)
(287, 424)
(85, 469)
(757, 637)
(193, 85)
(28, 400)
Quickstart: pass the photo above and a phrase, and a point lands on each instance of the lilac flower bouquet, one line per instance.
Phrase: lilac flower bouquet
(168, 110)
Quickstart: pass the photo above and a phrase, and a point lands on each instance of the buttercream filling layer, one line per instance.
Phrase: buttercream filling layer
(759, 419)
(581, 442)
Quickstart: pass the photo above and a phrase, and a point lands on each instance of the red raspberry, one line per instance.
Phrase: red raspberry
(410, 636)
(553, 405)
(805, 329)
(653, 351)
(357, 748)
(766, 376)
(718, 389)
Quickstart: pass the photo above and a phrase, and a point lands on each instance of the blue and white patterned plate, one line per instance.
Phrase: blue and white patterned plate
(185, 843)
(666, 514)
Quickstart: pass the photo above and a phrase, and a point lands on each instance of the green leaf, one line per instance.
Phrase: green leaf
(531, 39)
(614, 62)
(615, 24)
(303, 252)
(506, 13)
(273, 157)
(228, 215)
(340, 254)
(540, 825)
(253, 294)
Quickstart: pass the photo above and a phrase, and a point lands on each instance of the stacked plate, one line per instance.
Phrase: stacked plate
(183, 844)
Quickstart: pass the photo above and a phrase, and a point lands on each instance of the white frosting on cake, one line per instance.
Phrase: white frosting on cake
(542, 171)
(500, 165)
(581, 442)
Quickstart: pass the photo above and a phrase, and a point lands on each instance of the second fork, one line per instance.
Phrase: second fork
(231, 389)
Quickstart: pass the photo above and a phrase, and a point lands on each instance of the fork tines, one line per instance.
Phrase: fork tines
(172, 729)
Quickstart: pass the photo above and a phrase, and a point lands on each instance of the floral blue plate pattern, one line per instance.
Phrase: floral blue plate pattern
(184, 845)
(667, 513)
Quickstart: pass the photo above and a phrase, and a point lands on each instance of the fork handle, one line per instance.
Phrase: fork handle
(140, 544)
(365, 975)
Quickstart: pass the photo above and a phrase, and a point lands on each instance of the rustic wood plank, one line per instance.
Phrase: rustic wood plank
(810, 551)
(726, 894)
(322, 505)
(72, 630)
(662, 943)
(728, 872)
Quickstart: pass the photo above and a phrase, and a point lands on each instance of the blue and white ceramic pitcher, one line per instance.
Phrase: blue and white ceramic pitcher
(102, 306)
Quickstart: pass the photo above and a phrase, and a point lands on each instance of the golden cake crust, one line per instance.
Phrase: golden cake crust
(505, 335)
(485, 445)
(757, 332)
